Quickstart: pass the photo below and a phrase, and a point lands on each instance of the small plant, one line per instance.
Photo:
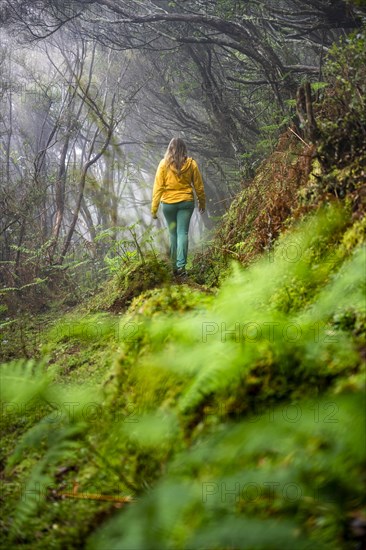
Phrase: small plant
(126, 250)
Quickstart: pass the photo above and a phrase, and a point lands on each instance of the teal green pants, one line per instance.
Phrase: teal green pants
(178, 215)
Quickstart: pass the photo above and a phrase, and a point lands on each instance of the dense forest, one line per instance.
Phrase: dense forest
(225, 410)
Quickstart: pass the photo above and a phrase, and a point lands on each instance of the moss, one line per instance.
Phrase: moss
(353, 237)
(102, 299)
(141, 276)
(133, 278)
(169, 300)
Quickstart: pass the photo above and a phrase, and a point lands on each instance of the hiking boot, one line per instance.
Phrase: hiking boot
(181, 273)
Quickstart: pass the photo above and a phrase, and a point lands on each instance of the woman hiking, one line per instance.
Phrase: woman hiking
(176, 177)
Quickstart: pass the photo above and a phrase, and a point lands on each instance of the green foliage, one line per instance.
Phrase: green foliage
(297, 178)
(138, 277)
(211, 266)
(6, 290)
(101, 300)
(259, 212)
(170, 300)
(342, 149)
(361, 3)
(208, 371)
(28, 395)
(131, 278)
(131, 247)
(264, 482)
(23, 379)
(316, 86)
(246, 320)
(180, 407)
(88, 328)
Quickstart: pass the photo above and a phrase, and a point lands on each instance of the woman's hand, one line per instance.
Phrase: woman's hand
(202, 210)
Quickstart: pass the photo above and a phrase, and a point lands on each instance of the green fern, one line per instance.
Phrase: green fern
(203, 501)
(23, 381)
(57, 428)
(58, 446)
(177, 376)
(218, 350)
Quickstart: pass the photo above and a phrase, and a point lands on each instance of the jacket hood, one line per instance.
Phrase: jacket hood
(185, 166)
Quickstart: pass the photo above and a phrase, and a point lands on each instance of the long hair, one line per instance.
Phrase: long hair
(176, 153)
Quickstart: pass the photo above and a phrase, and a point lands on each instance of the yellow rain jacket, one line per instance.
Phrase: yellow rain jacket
(170, 187)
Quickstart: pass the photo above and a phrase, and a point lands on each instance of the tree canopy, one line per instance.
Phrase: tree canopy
(92, 92)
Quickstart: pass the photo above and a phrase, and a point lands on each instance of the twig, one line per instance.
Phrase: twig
(297, 135)
(231, 252)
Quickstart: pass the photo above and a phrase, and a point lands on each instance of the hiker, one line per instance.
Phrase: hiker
(175, 176)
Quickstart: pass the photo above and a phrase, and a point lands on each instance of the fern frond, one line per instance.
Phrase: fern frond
(24, 380)
(63, 445)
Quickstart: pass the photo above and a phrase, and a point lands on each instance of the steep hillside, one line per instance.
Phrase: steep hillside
(302, 175)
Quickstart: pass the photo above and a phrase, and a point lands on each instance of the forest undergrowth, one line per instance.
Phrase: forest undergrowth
(227, 412)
